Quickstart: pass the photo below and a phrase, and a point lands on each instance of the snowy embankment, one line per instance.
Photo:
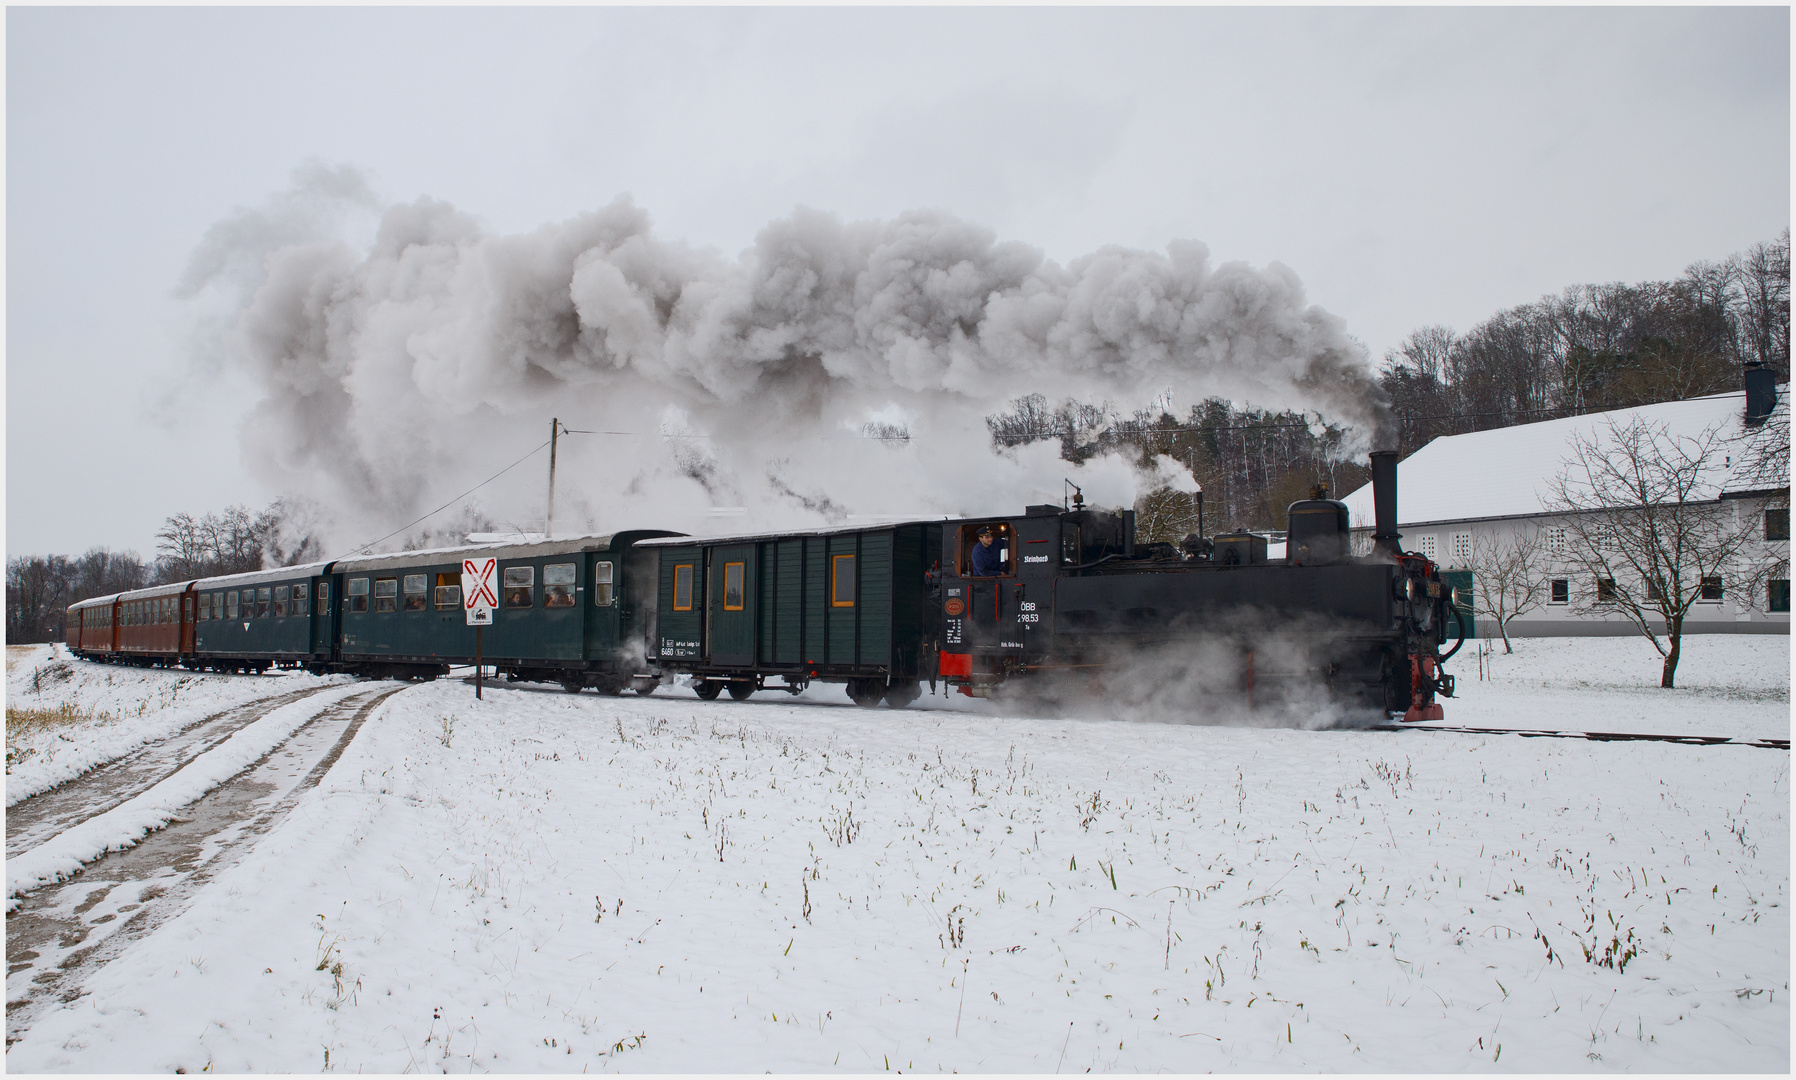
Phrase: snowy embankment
(79, 715)
(543, 882)
(126, 824)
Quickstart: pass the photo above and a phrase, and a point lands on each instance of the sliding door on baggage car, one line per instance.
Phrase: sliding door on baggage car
(731, 606)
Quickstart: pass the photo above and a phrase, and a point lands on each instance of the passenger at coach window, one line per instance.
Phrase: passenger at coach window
(987, 560)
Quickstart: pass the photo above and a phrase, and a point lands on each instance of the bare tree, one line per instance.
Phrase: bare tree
(1508, 579)
(183, 546)
(1643, 518)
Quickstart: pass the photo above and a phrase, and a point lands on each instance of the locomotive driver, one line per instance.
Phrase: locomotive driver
(986, 560)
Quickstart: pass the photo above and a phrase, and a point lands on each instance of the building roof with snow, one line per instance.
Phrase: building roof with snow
(1509, 472)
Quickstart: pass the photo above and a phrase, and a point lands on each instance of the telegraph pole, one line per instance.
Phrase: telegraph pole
(554, 432)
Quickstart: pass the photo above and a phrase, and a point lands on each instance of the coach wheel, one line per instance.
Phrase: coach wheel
(740, 689)
(645, 687)
(865, 692)
(573, 684)
(902, 694)
(708, 690)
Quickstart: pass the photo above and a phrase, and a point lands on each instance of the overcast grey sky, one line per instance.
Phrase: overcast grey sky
(1411, 166)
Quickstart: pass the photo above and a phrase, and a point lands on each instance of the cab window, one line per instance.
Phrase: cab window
(558, 585)
(601, 584)
(519, 586)
(1003, 545)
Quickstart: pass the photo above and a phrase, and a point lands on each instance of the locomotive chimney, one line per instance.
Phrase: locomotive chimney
(1384, 502)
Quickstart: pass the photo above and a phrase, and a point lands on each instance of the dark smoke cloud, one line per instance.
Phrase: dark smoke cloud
(393, 372)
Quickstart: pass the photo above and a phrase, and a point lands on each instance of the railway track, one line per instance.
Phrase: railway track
(1596, 736)
(61, 933)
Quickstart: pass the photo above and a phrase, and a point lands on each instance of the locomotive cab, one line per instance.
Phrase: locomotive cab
(1318, 532)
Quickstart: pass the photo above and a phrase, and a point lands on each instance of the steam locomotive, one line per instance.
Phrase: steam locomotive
(1075, 600)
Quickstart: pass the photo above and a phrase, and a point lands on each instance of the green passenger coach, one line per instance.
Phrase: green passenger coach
(566, 612)
(847, 605)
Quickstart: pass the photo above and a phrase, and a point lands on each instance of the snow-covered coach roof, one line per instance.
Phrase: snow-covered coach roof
(257, 577)
(518, 549)
(768, 534)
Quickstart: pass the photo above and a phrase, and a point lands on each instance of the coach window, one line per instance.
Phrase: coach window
(448, 590)
(558, 585)
(230, 605)
(841, 581)
(358, 594)
(416, 596)
(601, 584)
(263, 598)
(519, 586)
(732, 584)
(324, 598)
(683, 587)
(218, 607)
(299, 601)
(386, 594)
(282, 594)
(205, 606)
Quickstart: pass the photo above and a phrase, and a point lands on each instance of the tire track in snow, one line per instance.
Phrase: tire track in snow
(59, 934)
(35, 820)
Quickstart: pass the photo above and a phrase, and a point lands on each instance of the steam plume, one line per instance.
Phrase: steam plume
(398, 372)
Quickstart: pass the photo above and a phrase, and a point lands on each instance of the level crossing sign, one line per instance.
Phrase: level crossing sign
(477, 596)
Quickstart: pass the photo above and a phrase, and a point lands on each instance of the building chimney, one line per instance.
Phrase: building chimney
(1761, 393)
(1384, 502)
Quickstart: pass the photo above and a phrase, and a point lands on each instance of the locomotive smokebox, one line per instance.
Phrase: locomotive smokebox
(1384, 503)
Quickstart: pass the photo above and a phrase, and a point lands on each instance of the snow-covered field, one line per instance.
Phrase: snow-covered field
(543, 882)
(103, 712)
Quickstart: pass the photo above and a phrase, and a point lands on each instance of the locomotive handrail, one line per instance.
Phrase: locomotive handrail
(1454, 608)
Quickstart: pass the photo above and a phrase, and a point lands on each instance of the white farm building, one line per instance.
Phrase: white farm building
(1464, 494)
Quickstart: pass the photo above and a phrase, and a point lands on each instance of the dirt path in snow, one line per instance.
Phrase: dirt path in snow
(61, 934)
(37, 819)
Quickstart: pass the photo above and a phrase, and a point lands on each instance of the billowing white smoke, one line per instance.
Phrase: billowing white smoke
(397, 376)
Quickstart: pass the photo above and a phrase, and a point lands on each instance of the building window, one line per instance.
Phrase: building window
(417, 594)
(1462, 548)
(601, 584)
(520, 586)
(386, 594)
(358, 594)
(1653, 595)
(1779, 595)
(558, 585)
(1777, 523)
(282, 593)
(841, 581)
(1605, 590)
(1555, 538)
(732, 586)
(1711, 589)
(682, 597)
(1561, 591)
(1429, 549)
(448, 590)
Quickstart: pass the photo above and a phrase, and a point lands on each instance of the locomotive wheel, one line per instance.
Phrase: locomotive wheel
(865, 692)
(708, 690)
(902, 694)
(740, 689)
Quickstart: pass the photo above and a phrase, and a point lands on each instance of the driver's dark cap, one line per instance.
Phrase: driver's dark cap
(985, 530)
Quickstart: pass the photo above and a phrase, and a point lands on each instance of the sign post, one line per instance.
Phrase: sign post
(478, 600)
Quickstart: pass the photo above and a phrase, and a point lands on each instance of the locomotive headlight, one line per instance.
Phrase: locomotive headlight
(1415, 590)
